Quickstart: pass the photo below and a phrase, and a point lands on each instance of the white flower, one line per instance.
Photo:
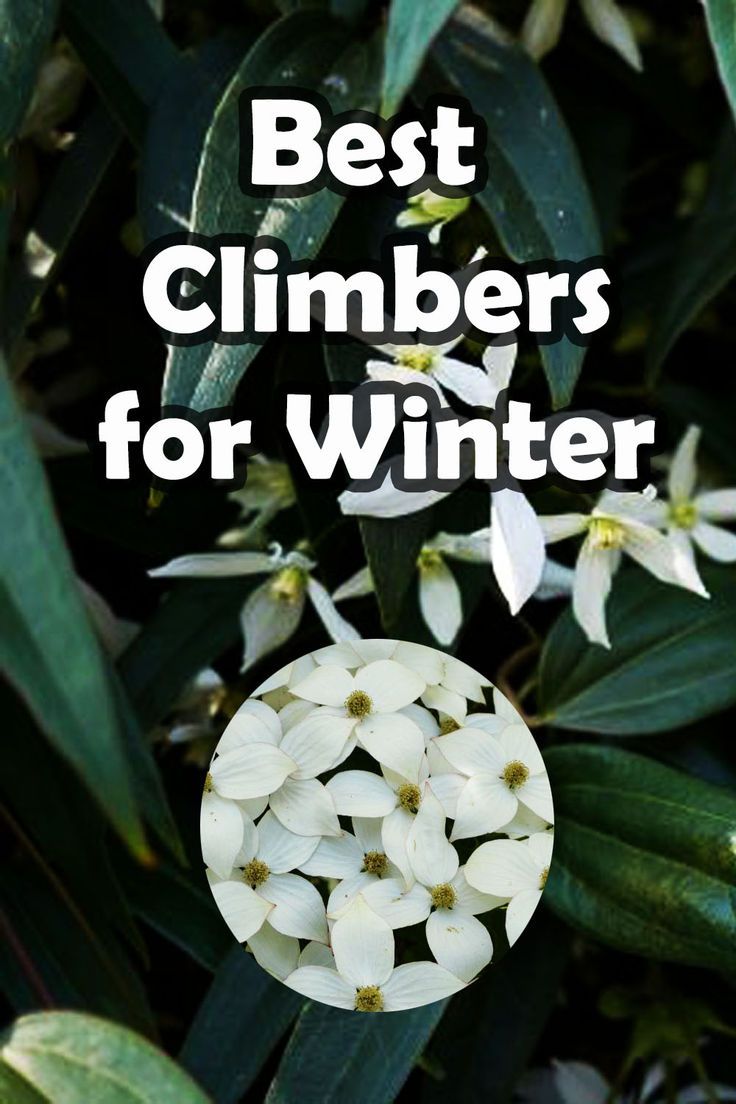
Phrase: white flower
(264, 888)
(503, 770)
(430, 365)
(370, 700)
(615, 526)
(689, 516)
(357, 860)
(440, 895)
(366, 979)
(273, 610)
(514, 870)
(543, 24)
(429, 209)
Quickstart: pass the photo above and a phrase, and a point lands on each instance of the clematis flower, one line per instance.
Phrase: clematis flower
(514, 870)
(440, 896)
(266, 890)
(430, 365)
(615, 526)
(268, 490)
(503, 771)
(689, 516)
(272, 612)
(543, 25)
(429, 209)
(369, 700)
(366, 979)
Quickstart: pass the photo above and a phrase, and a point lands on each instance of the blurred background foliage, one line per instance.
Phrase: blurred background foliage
(116, 126)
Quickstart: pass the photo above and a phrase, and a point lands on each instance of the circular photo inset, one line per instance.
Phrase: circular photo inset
(376, 825)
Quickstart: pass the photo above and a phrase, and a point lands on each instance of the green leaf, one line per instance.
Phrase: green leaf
(25, 31)
(671, 662)
(47, 648)
(644, 856)
(411, 28)
(536, 195)
(487, 1038)
(303, 50)
(127, 53)
(335, 1055)
(75, 1058)
(240, 1021)
(721, 20)
(706, 260)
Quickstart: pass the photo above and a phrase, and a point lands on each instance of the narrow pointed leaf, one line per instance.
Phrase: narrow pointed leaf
(411, 28)
(721, 22)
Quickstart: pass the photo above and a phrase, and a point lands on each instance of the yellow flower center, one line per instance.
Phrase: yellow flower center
(417, 358)
(369, 998)
(448, 725)
(288, 585)
(255, 873)
(409, 797)
(429, 560)
(543, 877)
(209, 785)
(607, 533)
(683, 514)
(358, 704)
(375, 862)
(515, 774)
(443, 896)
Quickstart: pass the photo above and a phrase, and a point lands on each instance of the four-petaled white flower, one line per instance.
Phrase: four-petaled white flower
(365, 978)
(272, 612)
(689, 516)
(514, 870)
(615, 526)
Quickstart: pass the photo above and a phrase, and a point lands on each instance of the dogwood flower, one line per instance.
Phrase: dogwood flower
(293, 905)
(503, 771)
(370, 700)
(689, 516)
(272, 612)
(543, 24)
(615, 526)
(366, 979)
(356, 860)
(514, 870)
(429, 209)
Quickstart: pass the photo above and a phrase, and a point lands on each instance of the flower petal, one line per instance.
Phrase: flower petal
(446, 788)
(221, 829)
(472, 751)
(446, 701)
(440, 601)
(322, 984)
(499, 359)
(519, 912)
(470, 900)
(558, 527)
(356, 586)
(267, 622)
(294, 712)
(299, 909)
(462, 679)
(316, 743)
(504, 708)
(361, 793)
(387, 501)
(502, 868)
(326, 685)
(304, 806)
(243, 910)
(717, 505)
(251, 771)
(215, 565)
(556, 582)
(536, 794)
(659, 556)
(540, 845)
(518, 743)
(592, 584)
(459, 943)
(418, 983)
(395, 834)
(432, 858)
(483, 805)
(281, 849)
(335, 857)
(363, 945)
(469, 383)
(394, 741)
(427, 662)
(606, 19)
(716, 542)
(346, 891)
(389, 684)
(517, 547)
(337, 627)
(245, 728)
(398, 906)
(264, 713)
(423, 719)
(368, 833)
(317, 954)
(542, 26)
(275, 953)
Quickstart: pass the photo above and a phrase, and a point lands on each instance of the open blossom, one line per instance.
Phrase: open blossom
(430, 365)
(503, 771)
(429, 209)
(272, 612)
(356, 860)
(515, 870)
(365, 978)
(691, 517)
(613, 527)
(543, 24)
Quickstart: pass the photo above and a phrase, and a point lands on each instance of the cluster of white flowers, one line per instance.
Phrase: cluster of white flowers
(316, 876)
